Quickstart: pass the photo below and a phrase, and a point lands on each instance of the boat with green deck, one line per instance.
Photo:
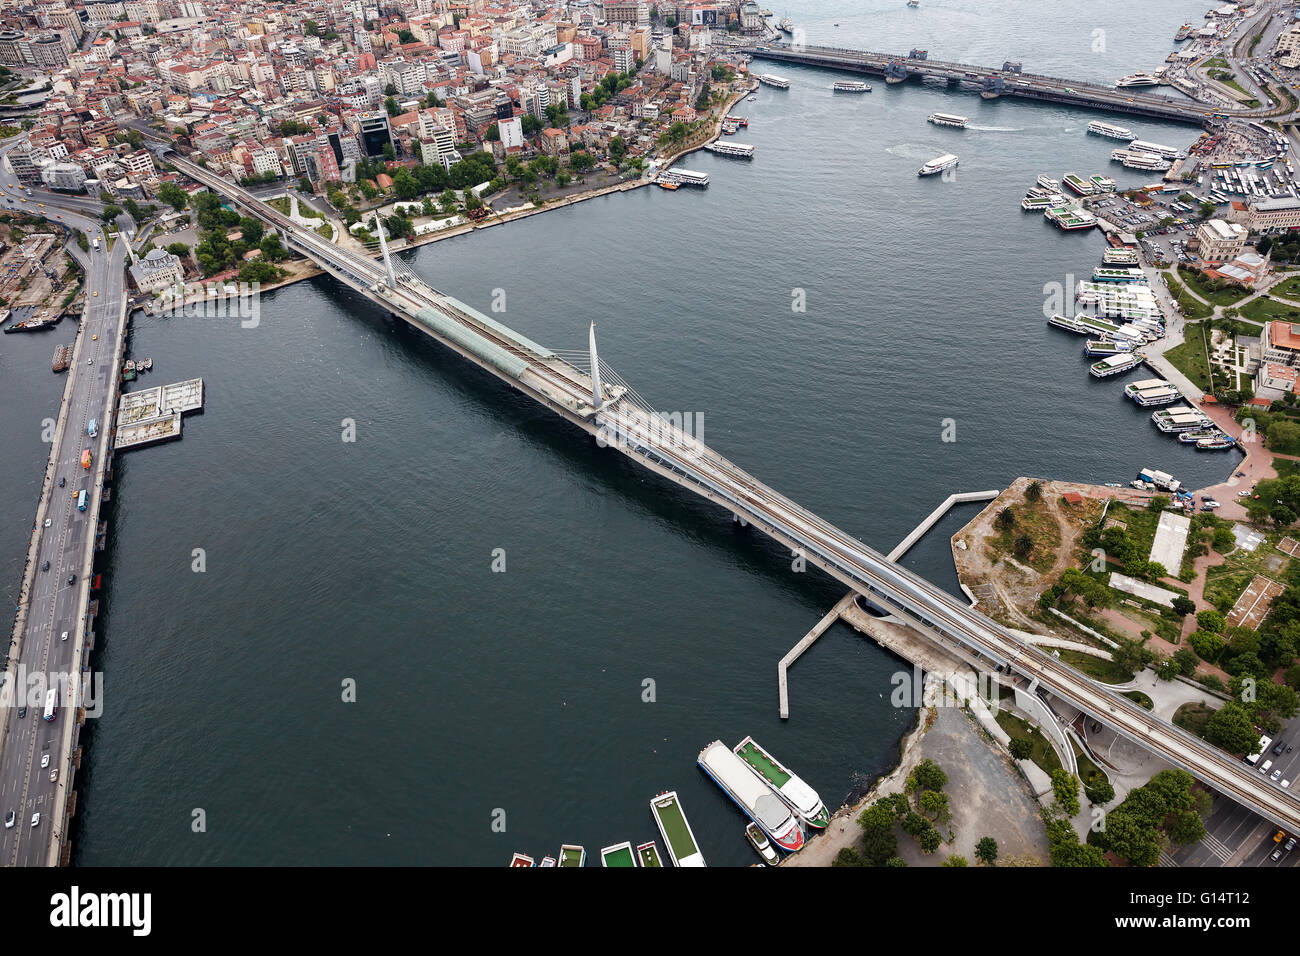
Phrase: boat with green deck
(572, 855)
(676, 831)
(796, 794)
(647, 855)
(620, 854)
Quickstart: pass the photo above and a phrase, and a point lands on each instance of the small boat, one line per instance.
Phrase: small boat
(618, 855)
(148, 364)
(521, 859)
(129, 367)
(1215, 444)
(761, 844)
(667, 185)
(547, 861)
(572, 855)
(647, 855)
(1113, 484)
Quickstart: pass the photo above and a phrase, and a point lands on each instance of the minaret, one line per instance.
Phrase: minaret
(597, 390)
(383, 248)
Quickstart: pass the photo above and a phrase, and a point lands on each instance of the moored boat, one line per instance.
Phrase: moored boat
(761, 844)
(1115, 364)
(547, 861)
(572, 855)
(521, 859)
(756, 799)
(647, 855)
(796, 794)
(1221, 443)
(679, 839)
(618, 855)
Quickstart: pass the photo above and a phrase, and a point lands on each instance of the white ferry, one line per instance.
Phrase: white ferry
(1115, 364)
(1100, 348)
(787, 785)
(851, 86)
(938, 165)
(739, 150)
(752, 795)
(1164, 152)
(949, 119)
(1153, 395)
(1070, 219)
(1181, 419)
(1138, 79)
(1109, 130)
(1136, 159)
(781, 83)
(1050, 184)
(1116, 256)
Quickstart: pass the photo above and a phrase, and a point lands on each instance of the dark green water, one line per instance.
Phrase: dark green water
(523, 691)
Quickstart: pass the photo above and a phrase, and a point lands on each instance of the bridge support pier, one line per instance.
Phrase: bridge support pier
(737, 519)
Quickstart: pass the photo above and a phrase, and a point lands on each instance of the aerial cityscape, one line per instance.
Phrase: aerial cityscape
(624, 434)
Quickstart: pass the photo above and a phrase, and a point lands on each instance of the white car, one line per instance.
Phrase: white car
(90, 361)
(9, 820)
(64, 636)
(45, 761)
(36, 819)
(1243, 494)
(1286, 784)
(54, 775)
(48, 522)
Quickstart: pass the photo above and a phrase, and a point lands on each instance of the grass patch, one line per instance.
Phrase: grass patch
(1103, 669)
(1040, 525)
(1191, 307)
(1287, 288)
(1265, 309)
(1193, 717)
(1141, 699)
(1225, 582)
(1190, 357)
(1044, 754)
(1211, 290)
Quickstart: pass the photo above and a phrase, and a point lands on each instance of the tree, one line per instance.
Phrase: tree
(929, 840)
(173, 196)
(1034, 492)
(1207, 644)
(530, 124)
(309, 28)
(1023, 546)
(251, 230)
(1223, 540)
(1183, 605)
(1099, 791)
(617, 149)
(581, 161)
(390, 105)
(1186, 827)
(848, 857)
(955, 860)
(1021, 748)
(1065, 786)
(389, 152)
(1230, 728)
(1005, 519)
(1186, 661)
(1282, 516)
(110, 213)
(1211, 621)
(986, 851)
(927, 775)
(935, 805)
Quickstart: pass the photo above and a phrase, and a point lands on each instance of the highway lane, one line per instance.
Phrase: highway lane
(58, 596)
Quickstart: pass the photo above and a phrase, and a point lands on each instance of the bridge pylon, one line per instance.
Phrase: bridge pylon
(597, 389)
(388, 263)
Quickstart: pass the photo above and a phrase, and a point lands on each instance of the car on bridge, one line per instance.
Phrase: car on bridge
(9, 820)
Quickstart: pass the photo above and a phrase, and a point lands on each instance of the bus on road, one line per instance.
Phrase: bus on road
(85, 458)
(51, 703)
(81, 500)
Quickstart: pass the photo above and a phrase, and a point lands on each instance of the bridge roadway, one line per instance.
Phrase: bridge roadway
(1026, 85)
(655, 443)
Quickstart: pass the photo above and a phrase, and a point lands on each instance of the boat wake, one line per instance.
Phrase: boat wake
(997, 129)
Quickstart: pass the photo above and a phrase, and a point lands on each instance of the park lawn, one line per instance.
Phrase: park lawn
(1044, 754)
(1287, 288)
(1265, 309)
(1189, 358)
(1201, 285)
(1141, 699)
(1191, 307)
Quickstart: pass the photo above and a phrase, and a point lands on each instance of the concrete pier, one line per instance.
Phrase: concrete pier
(846, 608)
(154, 414)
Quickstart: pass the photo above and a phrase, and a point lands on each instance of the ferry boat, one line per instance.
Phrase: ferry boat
(761, 844)
(1084, 324)
(1136, 159)
(796, 794)
(1078, 184)
(1181, 419)
(1115, 364)
(1104, 184)
(738, 150)
(738, 120)
(521, 859)
(572, 855)
(1215, 444)
(949, 119)
(1130, 276)
(618, 855)
(1160, 479)
(547, 862)
(1164, 152)
(755, 799)
(1048, 183)
(1196, 434)
(1070, 219)
(1119, 257)
(938, 165)
(1039, 203)
(851, 86)
(684, 177)
(768, 79)
(647, 855)
(1185, 32)
(1152, 391)
(680, 842)
(1100, 348)
(1110, 130)
(1138, 79)
(785, 25)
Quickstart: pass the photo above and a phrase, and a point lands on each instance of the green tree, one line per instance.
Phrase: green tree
(929, 840)
(389, 152)
(1023, 546)
(309, 28)
(1211, 621)
(1099, 791)
(1223, 540)
(935, 805)
(390, 105)
(926, 775)
(1230, 728)
(617, 149)
(1034, 492)
(955, 860)
(1207, 644)
(1065, 786)
(1021, 748)
(1005, 520)
(178, 249)
(173, 196)
(110, 213)
(1183, 606)
(986, 851)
